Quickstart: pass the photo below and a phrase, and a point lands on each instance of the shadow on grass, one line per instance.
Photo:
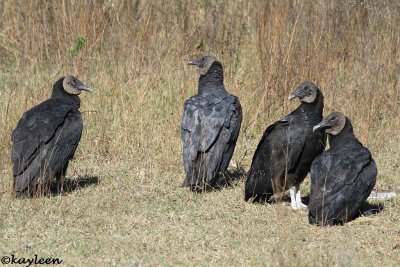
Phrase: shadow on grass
(370, 209)
(70, 185)
(367, 209)
(231, 178)
(227, 180)
(285, 199)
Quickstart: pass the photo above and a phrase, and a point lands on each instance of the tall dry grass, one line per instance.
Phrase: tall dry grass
(135, 55)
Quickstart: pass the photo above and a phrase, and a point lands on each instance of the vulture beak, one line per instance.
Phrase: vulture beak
(83, 87)
(320, 125)
(294, 95)
(194, 62)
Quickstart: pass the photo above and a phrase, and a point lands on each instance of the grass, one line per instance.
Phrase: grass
(134, 54)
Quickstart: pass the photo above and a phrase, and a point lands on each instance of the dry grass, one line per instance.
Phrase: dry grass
(134, 55)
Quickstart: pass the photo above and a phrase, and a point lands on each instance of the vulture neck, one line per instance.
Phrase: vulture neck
(59, 93)
(346, 137)
(213, 80)
(312, 112)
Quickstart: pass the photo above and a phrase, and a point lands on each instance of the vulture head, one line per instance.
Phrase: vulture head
(333, 123)
(204, 63)
(74, 86)
(306, 92)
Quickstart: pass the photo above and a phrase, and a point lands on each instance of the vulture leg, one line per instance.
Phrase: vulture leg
(295, 199)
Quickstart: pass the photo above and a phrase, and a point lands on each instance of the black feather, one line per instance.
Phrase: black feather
(341, 179)
(44, 141)
(284, 155)
(210, 128)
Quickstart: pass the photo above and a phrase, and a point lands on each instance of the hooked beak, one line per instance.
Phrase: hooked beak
(294, 95)
(194, 62)
(83, 87)
(320, 125)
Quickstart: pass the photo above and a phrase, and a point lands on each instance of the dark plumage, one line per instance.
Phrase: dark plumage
(46, 138)
(210, 126)
(342, 177)
(287, 148)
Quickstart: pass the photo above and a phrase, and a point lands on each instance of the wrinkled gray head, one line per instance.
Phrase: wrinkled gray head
(307, 92)
(333, 123)
(74, 86)
(204, 63)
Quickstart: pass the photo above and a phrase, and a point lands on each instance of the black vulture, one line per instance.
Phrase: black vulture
(210, 127)
(46, 138)
(342, 177)
(286, 150)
